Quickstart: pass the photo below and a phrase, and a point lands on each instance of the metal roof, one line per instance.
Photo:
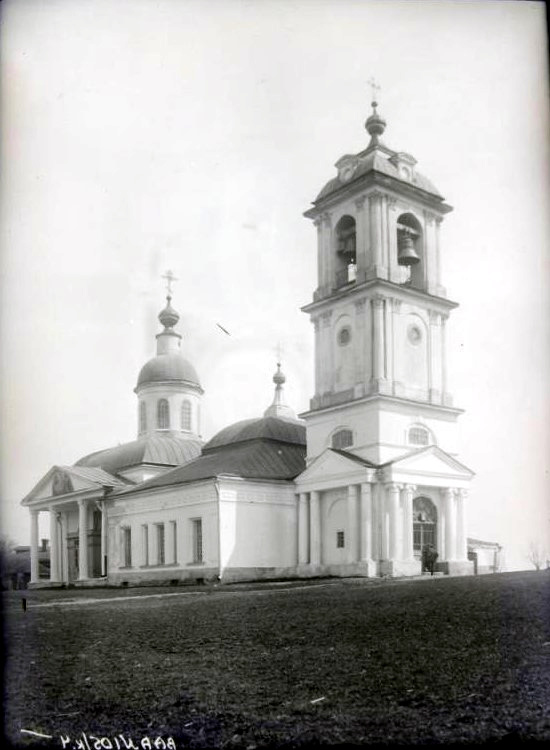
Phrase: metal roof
(268, 428)
(168, 367)
(375, 162)
(166, 450)
(94, 474)
(262, 459)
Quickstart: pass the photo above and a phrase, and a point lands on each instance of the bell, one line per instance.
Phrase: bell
(407, 255)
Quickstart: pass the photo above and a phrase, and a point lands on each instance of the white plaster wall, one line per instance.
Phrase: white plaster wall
(258, 522)
(175, 394)
(180, 505)
(333, 519)
(380, 428)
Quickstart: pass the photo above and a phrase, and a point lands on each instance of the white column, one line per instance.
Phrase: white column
(435, 362)
(64, 547)
(82, 539)
(450, 523)
(378, 339)
(393, 509)
(353, 495)
(375, 212)
(54, 547)
(34, 546)
(407, 503)
(361, 240)
(315, 528)
(303, 529)
(461, 525)
(366, 521)
(104, 538)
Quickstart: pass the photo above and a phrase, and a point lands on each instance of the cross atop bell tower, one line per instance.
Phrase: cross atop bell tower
(379, 309)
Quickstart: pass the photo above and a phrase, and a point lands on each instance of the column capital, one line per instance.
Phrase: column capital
(360, 304)
(435, 317)
(392, 203)
(83, 502)
(34, 512)
(360, 202)
(447, 492)
(327, 219)
(393, 487)
(317, 221)
(377, 300)
(463, 493)
(409, 488)
(375, 195)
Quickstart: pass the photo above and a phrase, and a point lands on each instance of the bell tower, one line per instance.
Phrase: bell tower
(379, 310)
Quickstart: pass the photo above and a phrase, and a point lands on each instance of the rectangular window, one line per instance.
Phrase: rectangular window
(340, 539)
(145, 543)
(174, 535)
(161, 551)
(197, 540)
(127, 546)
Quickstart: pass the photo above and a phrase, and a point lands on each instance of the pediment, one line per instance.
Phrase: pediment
(427, 465)
(63, 481)
(333, 469)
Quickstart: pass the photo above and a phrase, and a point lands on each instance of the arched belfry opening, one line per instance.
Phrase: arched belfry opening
(410, 250)
(424, 525)
(346, 240)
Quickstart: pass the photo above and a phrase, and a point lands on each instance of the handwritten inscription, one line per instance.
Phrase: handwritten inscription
(119, 742)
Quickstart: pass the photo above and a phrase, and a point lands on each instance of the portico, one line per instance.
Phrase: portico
(358, 519)
(77, 507)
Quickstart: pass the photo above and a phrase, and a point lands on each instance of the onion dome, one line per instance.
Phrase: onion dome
(279, 408)
(169, 317)
(375, 125)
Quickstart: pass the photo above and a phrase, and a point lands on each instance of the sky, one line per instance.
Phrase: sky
(141, 136)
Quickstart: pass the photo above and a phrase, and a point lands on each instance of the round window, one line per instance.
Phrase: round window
(414, 334)
(344, 336)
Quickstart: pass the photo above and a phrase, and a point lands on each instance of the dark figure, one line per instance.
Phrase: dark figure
(429, 558)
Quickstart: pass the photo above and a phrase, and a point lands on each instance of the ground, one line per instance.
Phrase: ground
(426, 661)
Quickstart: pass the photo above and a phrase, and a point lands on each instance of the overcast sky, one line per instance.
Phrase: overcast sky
(141, 136)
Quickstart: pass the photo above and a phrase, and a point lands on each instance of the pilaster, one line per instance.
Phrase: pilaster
(407, 493)
(303, 529)
(54, 547)
(352, 523)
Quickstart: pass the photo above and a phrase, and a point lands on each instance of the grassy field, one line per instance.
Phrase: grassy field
(435, 661)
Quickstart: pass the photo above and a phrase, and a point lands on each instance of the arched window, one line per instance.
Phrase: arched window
(419, 435)
(186, 415)
(409, 250)
(163, 414)
(142, 417)
(342, 439)
(346, 269)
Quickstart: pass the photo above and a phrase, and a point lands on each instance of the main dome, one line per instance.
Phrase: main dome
(168, 367)
(265, 428)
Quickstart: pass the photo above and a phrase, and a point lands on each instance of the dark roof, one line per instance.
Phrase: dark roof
(357, 459)
(168, 367)
(261, 459)
(375, 162)
(268, 428)
(165, 450)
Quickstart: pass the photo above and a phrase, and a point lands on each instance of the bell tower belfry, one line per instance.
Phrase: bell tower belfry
(379, 310)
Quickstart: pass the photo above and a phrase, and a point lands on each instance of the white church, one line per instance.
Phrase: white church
(359, 485)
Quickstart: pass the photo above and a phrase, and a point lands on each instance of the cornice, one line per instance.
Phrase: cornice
(377, 397)
(397, 290)
(349, 189)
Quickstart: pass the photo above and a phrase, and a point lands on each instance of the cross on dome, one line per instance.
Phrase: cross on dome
(374, 87)
(170, 278)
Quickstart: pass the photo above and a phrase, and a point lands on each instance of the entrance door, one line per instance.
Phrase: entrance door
(72, 554)
(424, 525)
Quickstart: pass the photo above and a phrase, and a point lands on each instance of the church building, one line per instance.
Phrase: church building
(362, 484)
